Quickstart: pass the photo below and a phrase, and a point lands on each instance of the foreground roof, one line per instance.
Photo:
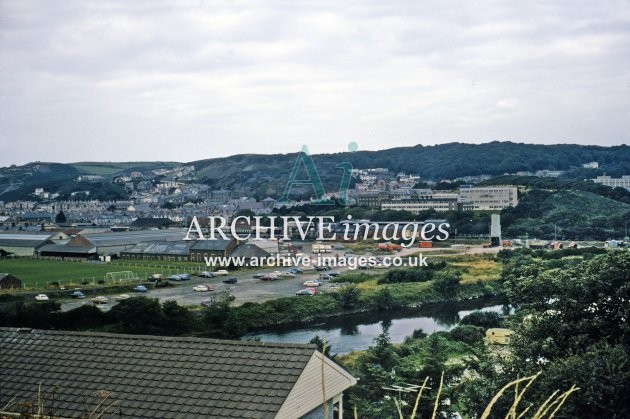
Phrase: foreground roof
(149, 376)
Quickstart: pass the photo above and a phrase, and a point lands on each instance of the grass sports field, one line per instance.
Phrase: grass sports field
(39, 273)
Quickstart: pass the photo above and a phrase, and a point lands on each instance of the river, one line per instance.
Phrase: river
(357, 331)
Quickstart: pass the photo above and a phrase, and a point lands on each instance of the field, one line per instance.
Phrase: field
(40, 273)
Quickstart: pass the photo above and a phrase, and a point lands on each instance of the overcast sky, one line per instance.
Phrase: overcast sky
(134, 80)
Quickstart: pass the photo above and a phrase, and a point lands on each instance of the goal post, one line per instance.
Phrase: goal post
(121, 276)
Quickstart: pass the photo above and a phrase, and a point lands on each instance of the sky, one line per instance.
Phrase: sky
(189, 80)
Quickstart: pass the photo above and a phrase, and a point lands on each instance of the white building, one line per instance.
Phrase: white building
(622, 182)
(489, 197)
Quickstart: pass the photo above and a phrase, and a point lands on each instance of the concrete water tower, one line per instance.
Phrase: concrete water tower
(495, 230)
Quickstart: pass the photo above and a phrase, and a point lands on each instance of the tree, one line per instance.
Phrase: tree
(576, 331)
(383, 299)
(484, 319)
(178, 320)
(319, 342)
(446, 284)
(348, 296)
(138, 315)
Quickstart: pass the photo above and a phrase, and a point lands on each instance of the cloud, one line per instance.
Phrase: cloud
(114, 80)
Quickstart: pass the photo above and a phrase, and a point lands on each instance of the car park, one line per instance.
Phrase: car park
(77, 295)
(122, 297)
(140, 288)
(207, 274)
(100, 300)
(311, 283)
(305, 292)
(230, 281)
(41, 297)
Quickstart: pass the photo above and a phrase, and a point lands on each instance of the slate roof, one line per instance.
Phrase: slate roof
(248, 250)
(62, 248)
(133, 237)
(160, 248)
(218, 244)
(23, 239)
(149, 376)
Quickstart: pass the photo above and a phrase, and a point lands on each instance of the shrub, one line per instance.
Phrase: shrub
(471, 335)
(348, 296)
(484, 319)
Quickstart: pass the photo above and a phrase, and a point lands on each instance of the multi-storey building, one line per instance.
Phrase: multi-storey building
(488, 198)
(622, 182)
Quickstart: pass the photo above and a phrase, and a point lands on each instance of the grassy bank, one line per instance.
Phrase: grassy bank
(302, 310)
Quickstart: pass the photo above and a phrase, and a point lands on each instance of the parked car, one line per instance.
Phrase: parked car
(175, 278)
(100, 300)
(306, 292)
(155, 277)
(334, 273)
(311, 283)
(268, 277)
(203, 288)
(221, 272)
(207, 274)
(286, 275)
(322, 268)
(77, 294)
(258, 276)
(140, 288)
(206, 303)
(122, 297)
(296, 271)
(312, 289)
(184, 276)
(41, 297)
(230, 281)
(325, 277)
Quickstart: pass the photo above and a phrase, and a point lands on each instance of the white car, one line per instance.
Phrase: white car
(122, 297)
(311, 283)
(221, 272)
(286, 275)
(202, 288)
(41, 297)
(100, 300)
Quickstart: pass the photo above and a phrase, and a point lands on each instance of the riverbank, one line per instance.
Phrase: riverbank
(298, 311)
(356, 332)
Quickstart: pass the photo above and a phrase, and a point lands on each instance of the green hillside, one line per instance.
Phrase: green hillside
(112, 168)
(569, 214)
